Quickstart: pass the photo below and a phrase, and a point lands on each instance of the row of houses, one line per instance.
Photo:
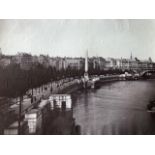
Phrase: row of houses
(26, 61)
(130, 64)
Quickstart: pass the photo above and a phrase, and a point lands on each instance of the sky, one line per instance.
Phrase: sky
(101, 37)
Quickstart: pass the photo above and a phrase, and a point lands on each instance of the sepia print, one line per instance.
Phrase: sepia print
(77, 77)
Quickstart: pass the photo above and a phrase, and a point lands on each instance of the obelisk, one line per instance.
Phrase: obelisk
(86, 67)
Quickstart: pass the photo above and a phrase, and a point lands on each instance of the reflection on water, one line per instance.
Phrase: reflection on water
(61, 122)
(115, 108)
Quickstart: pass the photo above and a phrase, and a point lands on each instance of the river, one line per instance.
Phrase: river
(117, 108)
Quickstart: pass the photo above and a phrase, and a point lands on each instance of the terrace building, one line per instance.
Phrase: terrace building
(74, 63)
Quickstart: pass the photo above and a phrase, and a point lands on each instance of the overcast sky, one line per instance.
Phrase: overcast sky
(107, 38)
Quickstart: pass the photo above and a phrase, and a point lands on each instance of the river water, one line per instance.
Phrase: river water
(115, 108)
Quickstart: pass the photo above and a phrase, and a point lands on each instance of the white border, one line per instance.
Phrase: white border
(76, 9)
(77, 145)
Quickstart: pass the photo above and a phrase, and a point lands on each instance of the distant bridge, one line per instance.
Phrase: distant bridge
(147, 73)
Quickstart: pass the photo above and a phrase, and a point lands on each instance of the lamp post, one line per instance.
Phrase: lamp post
(20, 112)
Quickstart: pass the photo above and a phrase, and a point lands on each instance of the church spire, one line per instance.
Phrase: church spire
(131, 56)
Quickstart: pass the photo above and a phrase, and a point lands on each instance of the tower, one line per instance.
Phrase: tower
(130, 61)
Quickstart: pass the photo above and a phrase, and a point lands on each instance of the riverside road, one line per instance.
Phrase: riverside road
(115, 108)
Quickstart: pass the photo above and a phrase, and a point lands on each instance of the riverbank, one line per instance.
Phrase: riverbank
(67, 86)
(43, 92)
